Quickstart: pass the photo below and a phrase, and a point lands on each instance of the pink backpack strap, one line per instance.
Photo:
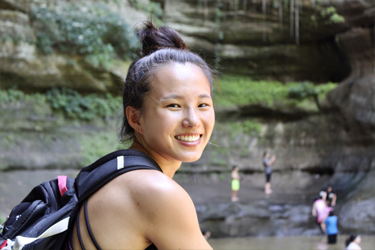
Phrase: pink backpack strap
(61, 181)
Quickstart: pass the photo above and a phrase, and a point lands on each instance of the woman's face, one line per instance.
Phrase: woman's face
(178, 115)
(358, 239)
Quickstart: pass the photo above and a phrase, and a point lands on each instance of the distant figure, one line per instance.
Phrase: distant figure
(331, 227)
(321, 212)
(330, 197)
(267, 163)
(235, 183)
(352, 243)
(206, 234)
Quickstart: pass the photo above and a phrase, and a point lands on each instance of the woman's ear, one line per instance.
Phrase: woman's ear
(133, 116)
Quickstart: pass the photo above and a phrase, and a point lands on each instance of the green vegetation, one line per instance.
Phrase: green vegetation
(13, 95)
(87, 107)
(250, 126)
(328, 14)
(70, 102)
(153, 9)
(242, 90)
(93, 31)
(95, 145)
(244, 127)
(233, 91)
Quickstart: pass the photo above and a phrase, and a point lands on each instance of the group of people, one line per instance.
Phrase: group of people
(323, 210)
(323, 206)
(267, 163)
(325, 217)
(236, 178)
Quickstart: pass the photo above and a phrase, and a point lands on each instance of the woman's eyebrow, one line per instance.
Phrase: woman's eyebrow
(171, 97)
(205, 96)
(181, 97)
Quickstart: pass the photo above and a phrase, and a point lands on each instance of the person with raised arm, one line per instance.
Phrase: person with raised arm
(267, 163)
(169, 117)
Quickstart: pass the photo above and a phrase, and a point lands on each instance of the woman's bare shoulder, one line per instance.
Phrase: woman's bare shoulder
(153, 185)
(148, 186)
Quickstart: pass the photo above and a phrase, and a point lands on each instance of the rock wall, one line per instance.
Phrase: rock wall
(283, 40)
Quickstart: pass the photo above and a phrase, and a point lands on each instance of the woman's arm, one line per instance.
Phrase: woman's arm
(333, 200)
(272, 160)
(313, 210)
(170, 218)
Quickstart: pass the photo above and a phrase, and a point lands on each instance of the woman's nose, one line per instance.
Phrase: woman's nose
(191, 119)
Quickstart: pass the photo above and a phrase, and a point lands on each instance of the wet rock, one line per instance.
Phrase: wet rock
(357, 215)
(243, 219)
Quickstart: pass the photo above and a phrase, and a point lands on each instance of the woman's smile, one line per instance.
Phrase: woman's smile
(188, 138)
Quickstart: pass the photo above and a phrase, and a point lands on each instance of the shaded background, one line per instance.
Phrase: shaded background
(297, 78)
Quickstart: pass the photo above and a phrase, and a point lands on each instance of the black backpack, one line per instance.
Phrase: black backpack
(45, 216)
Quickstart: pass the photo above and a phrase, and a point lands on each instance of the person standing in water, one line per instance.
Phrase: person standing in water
(235, 183)
(330, 197)
(169, 117)
(321, 212)
(267, 163)
(331, 227)
(352, 243)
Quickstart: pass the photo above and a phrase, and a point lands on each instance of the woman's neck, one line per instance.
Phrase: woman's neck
(169, 167)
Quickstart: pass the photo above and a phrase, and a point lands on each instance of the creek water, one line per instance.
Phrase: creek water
(287, 243)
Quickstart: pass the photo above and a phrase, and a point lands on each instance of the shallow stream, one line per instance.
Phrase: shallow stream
(287, 243)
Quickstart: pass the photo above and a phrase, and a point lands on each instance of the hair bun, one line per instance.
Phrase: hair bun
(153, 39)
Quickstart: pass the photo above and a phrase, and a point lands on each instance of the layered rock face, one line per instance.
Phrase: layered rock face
(284, 40)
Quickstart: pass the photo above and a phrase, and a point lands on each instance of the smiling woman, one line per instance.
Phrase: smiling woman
(168, 116)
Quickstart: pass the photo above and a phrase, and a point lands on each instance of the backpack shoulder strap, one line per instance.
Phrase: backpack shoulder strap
(96, 175)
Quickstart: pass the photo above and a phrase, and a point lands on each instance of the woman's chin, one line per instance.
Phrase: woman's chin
(192, 158)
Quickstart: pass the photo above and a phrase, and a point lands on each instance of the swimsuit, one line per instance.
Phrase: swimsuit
(322, 210)
(235, 185)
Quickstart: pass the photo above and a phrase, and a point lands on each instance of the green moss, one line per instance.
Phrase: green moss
(87, 107)
(250, 126)
(241, 90)
(71, 103)
(95, 145)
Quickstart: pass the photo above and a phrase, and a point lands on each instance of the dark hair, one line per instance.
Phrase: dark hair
(350, 239)
(265, 153)
(234, 166)
(160, 46)
(331, 213)
(316, 198)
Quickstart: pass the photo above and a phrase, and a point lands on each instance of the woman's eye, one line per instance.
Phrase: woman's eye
(173, 106)
(203, 105)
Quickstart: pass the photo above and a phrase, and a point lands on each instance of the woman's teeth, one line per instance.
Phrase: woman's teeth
(188, 137)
